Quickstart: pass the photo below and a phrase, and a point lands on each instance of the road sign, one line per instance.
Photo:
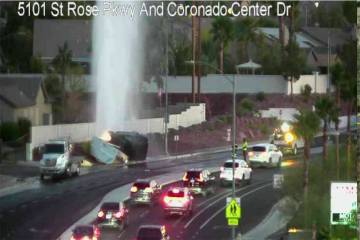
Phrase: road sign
(233, 221)
(278, 181)
(233, 209)
(343, 202)
(176, 138)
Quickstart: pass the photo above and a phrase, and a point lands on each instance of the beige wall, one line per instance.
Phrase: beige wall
(35, 113)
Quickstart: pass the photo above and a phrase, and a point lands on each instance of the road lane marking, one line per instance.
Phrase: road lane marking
(215, 196)
(211, 204)
(222, 209)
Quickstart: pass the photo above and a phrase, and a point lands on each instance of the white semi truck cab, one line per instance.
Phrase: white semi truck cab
(57, 161)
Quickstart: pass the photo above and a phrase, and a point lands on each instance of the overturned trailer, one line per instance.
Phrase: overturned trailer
(120, 147)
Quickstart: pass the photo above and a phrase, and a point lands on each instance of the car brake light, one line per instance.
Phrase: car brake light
(101, 214)
(96, 232)
(133, 189)
(185, 177)
(200, 179)
(221, 169)
(119, 214)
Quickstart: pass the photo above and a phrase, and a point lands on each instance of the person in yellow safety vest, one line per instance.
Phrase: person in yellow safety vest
(244, 147)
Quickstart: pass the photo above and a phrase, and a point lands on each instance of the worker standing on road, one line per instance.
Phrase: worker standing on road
(244, 147)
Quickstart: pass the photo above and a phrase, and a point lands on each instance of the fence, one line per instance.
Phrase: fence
(85, 131)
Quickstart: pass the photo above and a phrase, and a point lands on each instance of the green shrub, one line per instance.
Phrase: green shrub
(306, 91)
(246, 106)
(260, 96)
(264, 129)
(24, 125)
(9, 131)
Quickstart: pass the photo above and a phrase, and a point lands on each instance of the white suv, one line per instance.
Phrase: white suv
(265, 155)
(242, 172)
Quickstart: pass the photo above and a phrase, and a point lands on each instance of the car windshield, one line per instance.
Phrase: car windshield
(193, 174)
(230, 165)
(114, 206)
(83, 231)
(259, 149)
(172, 193)
(141, 185)
(149, 234)
(54, 148)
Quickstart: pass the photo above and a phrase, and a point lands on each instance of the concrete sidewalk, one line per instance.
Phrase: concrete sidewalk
(276, 220)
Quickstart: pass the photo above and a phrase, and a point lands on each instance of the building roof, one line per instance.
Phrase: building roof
(20, 90)
(302, 39)
(338, 36)
(50, 34)
(319, 57)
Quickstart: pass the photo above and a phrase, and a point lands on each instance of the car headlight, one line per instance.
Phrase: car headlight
(289, 137)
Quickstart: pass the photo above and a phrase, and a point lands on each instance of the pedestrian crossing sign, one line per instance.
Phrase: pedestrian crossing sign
(233, 209)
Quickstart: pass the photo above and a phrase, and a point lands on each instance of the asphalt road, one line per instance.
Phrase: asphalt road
(46, 212)
(208, 219)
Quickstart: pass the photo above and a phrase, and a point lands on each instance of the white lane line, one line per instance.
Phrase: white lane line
(222, 209)
(211, 204)
(210, 199)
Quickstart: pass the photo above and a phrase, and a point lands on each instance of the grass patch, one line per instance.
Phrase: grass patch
(316, 210)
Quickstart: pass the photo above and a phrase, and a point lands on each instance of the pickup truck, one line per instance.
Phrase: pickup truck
(57, 160)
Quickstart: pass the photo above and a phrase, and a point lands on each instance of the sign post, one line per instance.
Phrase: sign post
(176, 139)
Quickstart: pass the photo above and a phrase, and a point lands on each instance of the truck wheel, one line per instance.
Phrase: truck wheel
(77, 172)
(68, 172)
(279, 162)
(295, 150)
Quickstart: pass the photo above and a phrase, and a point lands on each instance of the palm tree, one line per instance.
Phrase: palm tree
(337, 75)
(223, 32)
(62, 64)
(245, 31)
(325, 109)
(307, 125)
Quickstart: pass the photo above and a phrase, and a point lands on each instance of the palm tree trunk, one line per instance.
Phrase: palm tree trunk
(358, 184)
(348, 145)
(337, 147)
(292, 88)
(63, 96)
(306, 167)
(222, 57)
(325, 142)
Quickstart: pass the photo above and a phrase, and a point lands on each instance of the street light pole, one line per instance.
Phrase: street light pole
(166, 89)
(234, 142)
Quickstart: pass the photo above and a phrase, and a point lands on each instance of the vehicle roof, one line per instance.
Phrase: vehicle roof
(262, 145)
(56, 141)
(151, 226)
(236, 160)
(195, 170)
(143, 181)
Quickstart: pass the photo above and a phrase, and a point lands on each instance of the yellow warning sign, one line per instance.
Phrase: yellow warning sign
(233, 221)
(233, 209)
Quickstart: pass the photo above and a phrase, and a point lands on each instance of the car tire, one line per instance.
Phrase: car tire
(42, 177)
(295, 150)
(77, 172)
(279, 162)
(249, 180)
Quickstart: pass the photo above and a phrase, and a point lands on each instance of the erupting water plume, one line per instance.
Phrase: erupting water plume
(116, 68)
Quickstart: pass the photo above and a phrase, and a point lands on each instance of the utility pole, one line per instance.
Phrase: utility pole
(166, 87)
(328, 68)
(194, 58)
(198, 57)
(234, 153)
